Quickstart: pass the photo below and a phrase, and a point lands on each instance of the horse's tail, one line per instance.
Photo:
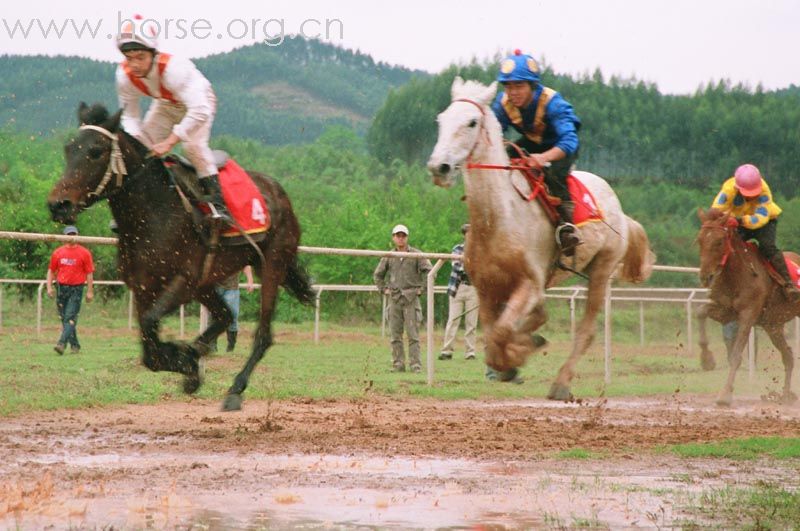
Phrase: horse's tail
(637, 265)
(298, 283)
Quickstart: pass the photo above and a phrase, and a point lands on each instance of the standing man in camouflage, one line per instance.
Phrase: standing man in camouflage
(402, 280)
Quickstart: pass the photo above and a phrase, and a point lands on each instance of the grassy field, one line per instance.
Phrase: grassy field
(347, 361)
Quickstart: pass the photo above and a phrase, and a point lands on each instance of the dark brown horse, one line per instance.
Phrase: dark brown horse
(741, 289)
(161, 254)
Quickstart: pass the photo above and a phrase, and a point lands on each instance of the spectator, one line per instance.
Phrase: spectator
(402, 280)
(229, 290)
(463, 301)
(71, 265)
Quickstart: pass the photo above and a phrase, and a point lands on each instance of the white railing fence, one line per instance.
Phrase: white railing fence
(686, 296)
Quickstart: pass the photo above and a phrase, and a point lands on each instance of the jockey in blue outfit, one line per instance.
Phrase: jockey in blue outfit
(549, 129)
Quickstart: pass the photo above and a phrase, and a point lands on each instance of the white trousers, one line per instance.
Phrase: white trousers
(466, 300)
(161, 117)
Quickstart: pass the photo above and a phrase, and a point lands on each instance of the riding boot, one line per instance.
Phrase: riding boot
(566, 232)
(789, 289)
(210, 186)
(231, 340)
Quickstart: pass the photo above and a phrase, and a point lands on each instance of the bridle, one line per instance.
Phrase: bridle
(485, 132)
(116, 164)
(728, 230)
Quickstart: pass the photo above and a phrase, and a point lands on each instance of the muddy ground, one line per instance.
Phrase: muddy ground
(377, 463)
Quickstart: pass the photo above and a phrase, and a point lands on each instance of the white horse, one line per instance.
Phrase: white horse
(511, 250)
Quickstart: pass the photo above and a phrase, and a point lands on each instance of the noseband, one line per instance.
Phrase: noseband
(116, 164)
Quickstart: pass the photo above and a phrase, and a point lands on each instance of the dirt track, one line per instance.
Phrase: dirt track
(380, 462)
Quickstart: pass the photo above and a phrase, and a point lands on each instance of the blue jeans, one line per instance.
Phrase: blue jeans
(68, 301)
(231, 297)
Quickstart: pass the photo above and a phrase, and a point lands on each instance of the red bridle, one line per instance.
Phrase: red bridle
(728, 240)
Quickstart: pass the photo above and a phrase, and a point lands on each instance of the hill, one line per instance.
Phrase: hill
(274, 94)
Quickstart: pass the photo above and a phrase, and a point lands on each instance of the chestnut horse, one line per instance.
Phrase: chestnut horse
(161, 255)
(511, 251)
(741, 289)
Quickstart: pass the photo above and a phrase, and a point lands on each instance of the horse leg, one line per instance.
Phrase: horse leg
(160, 356)
(778, 338)
(584, 335)
(706, 356)
(270, 280)
(746, 321)
(504, 348)
(221, 318)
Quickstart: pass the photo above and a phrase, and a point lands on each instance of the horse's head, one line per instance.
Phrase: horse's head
(460, 127)
(714, 239)
(88, 157)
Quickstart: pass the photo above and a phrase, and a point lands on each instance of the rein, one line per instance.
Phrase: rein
(116, 164)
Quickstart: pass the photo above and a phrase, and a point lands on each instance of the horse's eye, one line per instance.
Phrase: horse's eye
(472, 123)
(95, 153)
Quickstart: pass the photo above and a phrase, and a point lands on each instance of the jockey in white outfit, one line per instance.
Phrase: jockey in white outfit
(183, 104)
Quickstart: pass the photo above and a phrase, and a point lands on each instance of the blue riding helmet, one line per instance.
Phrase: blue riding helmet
(519, 67)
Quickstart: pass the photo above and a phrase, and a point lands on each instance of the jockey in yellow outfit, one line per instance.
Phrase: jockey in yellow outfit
(747, 197)
(183, 108)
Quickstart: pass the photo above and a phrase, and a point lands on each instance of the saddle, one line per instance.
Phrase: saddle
(585, 207)
(247, 228)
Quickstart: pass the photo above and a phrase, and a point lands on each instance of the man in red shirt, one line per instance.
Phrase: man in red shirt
(71, 265)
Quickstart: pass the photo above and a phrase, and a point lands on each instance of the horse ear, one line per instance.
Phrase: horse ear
(113, 123)
(456, 87)
(488, 96)
(701, 213)
(82, 110)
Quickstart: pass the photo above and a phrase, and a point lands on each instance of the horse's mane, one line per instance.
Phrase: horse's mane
(470, 90)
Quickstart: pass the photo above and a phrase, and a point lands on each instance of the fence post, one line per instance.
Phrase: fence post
(641, 323)
(2, 288)
(130, 310)
(689, 341)
(384, 300)
(431, 278)
(316, 316)
(572, 314)
(183, 322)
(607, 332)
(751, 354)
(39, 310)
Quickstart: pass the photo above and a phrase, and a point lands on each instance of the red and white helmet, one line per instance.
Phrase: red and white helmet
(138, 34)
(748, 180)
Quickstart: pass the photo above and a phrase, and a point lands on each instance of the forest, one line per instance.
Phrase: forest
(665, 155)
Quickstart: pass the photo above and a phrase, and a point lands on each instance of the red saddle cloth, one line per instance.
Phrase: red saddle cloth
(586, 209)
(244, 200)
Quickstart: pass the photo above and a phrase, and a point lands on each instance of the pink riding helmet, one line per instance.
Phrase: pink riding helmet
(748, 180)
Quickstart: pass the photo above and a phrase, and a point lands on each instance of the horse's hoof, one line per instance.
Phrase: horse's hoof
(707, 361)
(538, 341)
(725, 400)
(510, 376)
(193, 381)
(560, 392)
(232, 402)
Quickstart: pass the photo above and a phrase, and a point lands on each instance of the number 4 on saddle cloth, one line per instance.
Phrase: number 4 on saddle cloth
(242, 197)
(585, 206)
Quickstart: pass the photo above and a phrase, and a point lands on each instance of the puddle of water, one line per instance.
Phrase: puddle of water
(316, 491)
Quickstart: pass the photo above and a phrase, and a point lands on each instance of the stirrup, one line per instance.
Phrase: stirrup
(561, 229)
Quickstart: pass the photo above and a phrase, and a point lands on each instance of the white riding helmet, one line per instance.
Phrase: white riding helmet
(138, 34)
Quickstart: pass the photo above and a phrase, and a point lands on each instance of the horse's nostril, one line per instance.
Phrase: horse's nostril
(444, 169)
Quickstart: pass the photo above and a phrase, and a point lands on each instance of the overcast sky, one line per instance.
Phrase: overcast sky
(678, 44)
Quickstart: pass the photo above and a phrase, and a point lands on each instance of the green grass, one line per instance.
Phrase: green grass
(741, 449)
(349, 361)
(577, 453)
(761, 507)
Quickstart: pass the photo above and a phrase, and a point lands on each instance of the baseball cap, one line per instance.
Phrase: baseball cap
(400, 228)
(70, 229)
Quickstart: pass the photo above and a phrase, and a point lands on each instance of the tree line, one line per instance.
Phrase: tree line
(630, 130)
